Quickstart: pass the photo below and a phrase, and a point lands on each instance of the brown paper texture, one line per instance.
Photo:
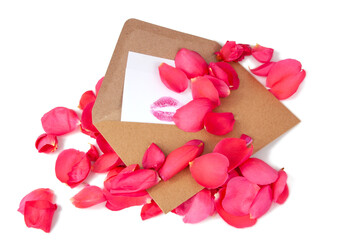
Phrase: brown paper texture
(257, 112)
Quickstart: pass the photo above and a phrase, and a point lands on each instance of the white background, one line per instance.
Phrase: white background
(50, 53)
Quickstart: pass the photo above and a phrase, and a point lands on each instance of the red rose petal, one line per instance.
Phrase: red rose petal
(235, 221)
(173, 78)
(72, 167)
(182, 209)
(88, 196)
(202, 87)
(198, 143)
(240, 194)
(247, 138)
(258, 172)
(283, 196)
(219, 123)
(247, 50)
(86, 98)
(106, 162)
(92, 154)
(39, 214)
(263, 70)
(190, 117)
(210, 170)
(220, 85)
(231, 175)
(103, 144)
(98, 85)
(153, 157)
(288, 85)
(150, 210)
(191, 63)
(261, 203)
(87, 120)
(177, 160)
(60, 121)
(235, 149)
(225, 72)
(38, 194)
(279, 185)
(116, 202)
(230, 52)
(283, 69)
(262, 54)
(46, 143)
(201, 207)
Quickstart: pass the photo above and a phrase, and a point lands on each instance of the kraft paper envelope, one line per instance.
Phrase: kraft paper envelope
(257, 112)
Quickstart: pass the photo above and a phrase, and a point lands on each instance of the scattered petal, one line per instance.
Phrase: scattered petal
(117, 202)
(191, 63)
(98, 85)
(60, 121)
(92, 154)
(235, 221)
(230, 52)
(173, 78)
(202, 87)
(220, 85)
(225, 72)
(39, 214)
(219, 123)
(231, 175)
(239, 196)
(88, 196)
(198, 143)
(279, 185)
(103, 144)
(247, 138)
(263, 70)
(247, 51)
(178, 159)
(284, 195)
(210, 170)
(153, 157)
(182, 209)
(258, 172)
(72, 167)
(262, 54)
(87, 120)
(190, 117)
(38, 194)
(150, 210)
(261, 203)
(106, 162)
(86, 98)
(288, 86)
(46, 143)
(201, 207)
(235, 149)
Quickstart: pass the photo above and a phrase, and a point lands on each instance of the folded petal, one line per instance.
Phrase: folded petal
(233, 220)
(87, 120)
(235, 149)
(247, 51)
(279, 185)
(103, 144)
(37, 194)
(282, 69)
(190, 117)
(88, 196)
(201, 207)
(288, 86)
(225, 72)
(60, 121)
(220, 85)
(72, 167)
(150, 210)
(219, 123)
(258, 172)
(98, 85)
(247, 138)
(116, 202)
(283, 196)
(202, 87)
(210, 170)
(262, 54)
(106, 162)
(261, 203)
(86, 98)
(153, 157)
(46, 143)
(263, 70)
(39, 214)
(191, 63)
(92, 154)
(240, 194)
(173, 78)
(177, 160)
(230, 52)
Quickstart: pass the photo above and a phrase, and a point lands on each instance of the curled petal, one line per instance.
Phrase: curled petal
(191, 63)
(86, 98)
(282, 69)
(198, 143)
(173, 78)
(288, 86)
(106, 162)
(235, 149)
(201, 207)
(233, 220)
(263, 70)
(153, 157)
(103, 144)
(60, 121)
(220, 85)
(46, 143)
(190, 117)
(247, 51)
(219, 123)
(230, 52)
(247, 138)
(210, 170)
(38, 194)
(150, 210)
(240, 193)
(92, 154)
(177, 160)
(261, 203)
(72, 167)
(116, 202)
(88, 196)
(262, 54)
(279, 185)
(98, 85)
(113, 172)
(225, 72)
(283, 196)
(202, 87)
(87, 120)
(39, 214)
(258, 172)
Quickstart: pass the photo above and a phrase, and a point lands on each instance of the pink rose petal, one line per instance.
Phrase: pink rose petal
(220, 85)
(279, 185)
(283, 69)
(201, 207)
(191, 63)
(225, 72)
(86, 98)
(46, 143)
(202, 87)
(150, 210)
(263, 70)
(258, 172)
(87, 120)
(283, 196)
(103, 144)
(153, 157)
(262, 54)
(60, 121)
(173, 78)
(261, 203)
(219, 123)
(39, 214)
(88, 196)
(92, 154)
(98, 85)
(117, 202)
(106, 162)
(230, 52)
(38, 194)
(288, 86)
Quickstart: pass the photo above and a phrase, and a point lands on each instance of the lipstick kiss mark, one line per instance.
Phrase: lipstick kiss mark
(164, 103)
